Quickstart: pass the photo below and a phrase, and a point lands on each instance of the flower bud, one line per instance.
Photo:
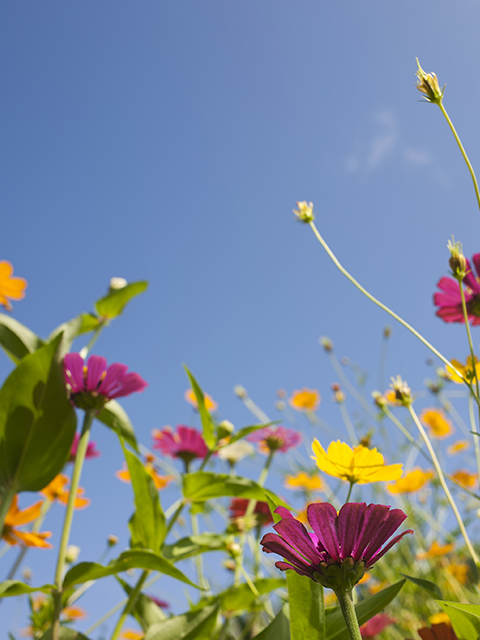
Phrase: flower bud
(224, 429)
(387, 331)
(428, 85)
(117, 283)
(379, 399)
(233, 548)
(403, 393)
(112, 541)
(230, 565)
(240, 391)
(280, 405)
(72, 554)
(304, 213)
(326, 343)
(457, 262)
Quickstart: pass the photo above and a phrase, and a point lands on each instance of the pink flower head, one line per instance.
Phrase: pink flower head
(275, 439)
(238, 508)
(93, 384)
(352, 541)
(450, 300)
(92, 451)
(160, 603)
(376, 625)
(186, 443)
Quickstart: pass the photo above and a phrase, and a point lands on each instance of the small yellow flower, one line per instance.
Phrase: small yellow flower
(438, 618)
(304, 213)
(459, 570)
(359, 465)
(210, 403)
(304, 481)
(440, 425)
(456, 447)
(10, 288)
(305, 400)
(435, 551)
(465, 478)
(465, 369)
(412, 481)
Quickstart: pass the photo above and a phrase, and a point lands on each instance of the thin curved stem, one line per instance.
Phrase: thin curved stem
(131, 602)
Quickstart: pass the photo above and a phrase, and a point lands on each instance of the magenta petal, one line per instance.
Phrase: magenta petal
(283, 512)
(96, 365)
(293, 532)
(132, 383)
(322, 518)
(113, 380)
(348, 526)
(386, 548)
(384, 531)
(449, 285)
(476, 262)
(73, 371)
(272, 543)
(284, 566)
(373, 518)
(446, 300)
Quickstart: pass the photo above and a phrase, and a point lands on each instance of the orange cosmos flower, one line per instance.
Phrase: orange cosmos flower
(440, 426)
(412, 481)
(210, 403)
(465, 478)
(57, 490)
(305, 400)
(10, 288)
(304, 481)
(456, 447)
(16, 518)
(74, 613)
(435, 551)
(159, 481)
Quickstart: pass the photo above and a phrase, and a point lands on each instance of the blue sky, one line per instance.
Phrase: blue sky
(169, 141)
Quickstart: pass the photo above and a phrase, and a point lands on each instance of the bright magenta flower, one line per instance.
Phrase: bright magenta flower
(342, 546)
(93, 384)
(450, 300)
(186, 443)
(275, 439)
(92, 451)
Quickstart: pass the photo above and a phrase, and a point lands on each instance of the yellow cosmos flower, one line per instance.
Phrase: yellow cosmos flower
(465, 369)
(210, 403)
(10, 288)
(304, 481)
(131, 634)
(465, 478)
(435, 551)
(457, 447)
(305, 400)
(438, 618)
(56, 490)
(359, 465)
(159, 481)
(459, 571)
(440, 426)
(412, 481)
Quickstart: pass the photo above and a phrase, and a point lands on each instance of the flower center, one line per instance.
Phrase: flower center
(473, 307)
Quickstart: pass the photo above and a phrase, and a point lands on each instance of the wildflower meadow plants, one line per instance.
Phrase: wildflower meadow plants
(325, 557)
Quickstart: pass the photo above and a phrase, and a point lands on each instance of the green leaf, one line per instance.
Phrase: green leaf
(37, 422)
(278, 629)
(147, 524)
(133, 559)
(242, 597)
(194, 545)
(112, 305)
(66, 633)
(461, 618)
(194, 625)
(272, 505)
(17, 339)
(83, 323)
(114, 416)
(432, 588)
(335, 628)
(203, 485)
(17, 588)
(307, 613)
(206, 418)
(242, 433)
(146, 612)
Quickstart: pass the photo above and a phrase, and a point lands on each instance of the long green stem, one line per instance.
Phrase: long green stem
(7, 498)
(67, 523)
(132, 600)
(349, 424)
(345, 600)
(476, 439)
(349, 492)
(348, 385)
(445, 488)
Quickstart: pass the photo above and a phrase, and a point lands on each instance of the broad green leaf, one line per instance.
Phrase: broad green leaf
(66, 633)
(461, 616)
(307, 613)
(146, 612)
(279, 628)
(272, 505)
(246, 430)
(242, 597)
(193, 545)
(17, 339)
(205, 417)
(432, 588)
(112, 305)
(147, 524)
(37, 422)
(194, 625)
(133, 559)
(204, 485)
(335, 628)
(114, 416)
(17, 588)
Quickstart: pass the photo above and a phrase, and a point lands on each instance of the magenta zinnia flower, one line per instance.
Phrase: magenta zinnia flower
(450, 300)
(341, 548)
(275, 439)
(92, 451)
(186, 443)
(93, 384)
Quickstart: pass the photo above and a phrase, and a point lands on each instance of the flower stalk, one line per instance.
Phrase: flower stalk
(345, 600)
(130, 604)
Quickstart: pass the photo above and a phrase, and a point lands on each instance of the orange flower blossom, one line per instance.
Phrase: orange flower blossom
(159, 481)
(210, 403)
(305, 400)
(440, 426)
(10, 288)
(57, 490)
(15, 518)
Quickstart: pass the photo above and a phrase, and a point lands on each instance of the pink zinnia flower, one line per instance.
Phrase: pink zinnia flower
(351, 540)
(275, 439)
(186, 443)
(376, 625)
(92, 385)
(238, 508)
(92, 451)
(450, 300)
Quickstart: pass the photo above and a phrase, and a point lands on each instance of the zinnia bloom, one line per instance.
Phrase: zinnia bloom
(10, 288)
(16, 518)
(449, 302)
(354, 538)
(185, 442)
(210, 404)
(359, 465)
(465, 478)
(465, 369)
(92, 451)
(440, 425)
(435, 551)
(303, 480)
(57, 490)
(238, 508)
(273, 439)
(376, 625)
(305, 400)
(411, 482)
(159, 481)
